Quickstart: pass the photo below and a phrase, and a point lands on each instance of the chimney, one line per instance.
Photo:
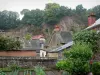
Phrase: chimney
(57, 28)
(91, 19)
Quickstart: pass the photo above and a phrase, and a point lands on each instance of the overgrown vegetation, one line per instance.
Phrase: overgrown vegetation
(96, 68)
(89, 37)
(77, 59)
(7, 43)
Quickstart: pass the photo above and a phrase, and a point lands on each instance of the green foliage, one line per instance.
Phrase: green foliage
(53, 13)
(66, 65)
(27, 36)
(79, 51)
(77, 58)
(5, 69)
(90, 37)
(7, 43)
(96, 11)
(50, 13)
(9, 20)
(96, 68)
(81, 13)
(39, 70)
(24, 11)
(14, 67)
(33, 17)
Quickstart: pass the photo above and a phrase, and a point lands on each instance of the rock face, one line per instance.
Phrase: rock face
(70, 24)
(60, 37)
(67, 25)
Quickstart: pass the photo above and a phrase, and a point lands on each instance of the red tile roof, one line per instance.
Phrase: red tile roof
(37, 37)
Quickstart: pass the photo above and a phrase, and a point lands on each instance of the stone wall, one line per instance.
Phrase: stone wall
(27, 61)
(49, 72)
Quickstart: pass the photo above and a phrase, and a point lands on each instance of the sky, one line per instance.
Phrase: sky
(18, 5)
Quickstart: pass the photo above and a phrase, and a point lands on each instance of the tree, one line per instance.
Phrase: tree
(9, 20)
(9, 44)
(96, 11)
(24, 11)
(82, 13)
(54, 12)
(51, 10)
(33, 17)
(77, 59)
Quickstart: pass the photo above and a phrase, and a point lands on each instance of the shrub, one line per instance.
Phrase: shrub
(9, 43)
(77, 58)
(96, 68)
(90, 37)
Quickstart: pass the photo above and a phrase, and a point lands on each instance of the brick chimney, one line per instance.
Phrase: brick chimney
(91, 19)
(57, 28)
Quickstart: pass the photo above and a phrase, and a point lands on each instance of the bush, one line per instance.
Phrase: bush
(9, 43)
(96, 68)
(80, 51)
(90, 37)
(77, 58)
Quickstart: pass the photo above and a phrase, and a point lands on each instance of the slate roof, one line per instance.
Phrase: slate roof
(66, 36)
(62, 47)
(32, 45)
(37, 37)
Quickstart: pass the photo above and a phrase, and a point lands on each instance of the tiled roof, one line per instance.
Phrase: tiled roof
(37, 37)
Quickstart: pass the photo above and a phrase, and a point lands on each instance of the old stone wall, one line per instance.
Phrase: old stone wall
(27, 61)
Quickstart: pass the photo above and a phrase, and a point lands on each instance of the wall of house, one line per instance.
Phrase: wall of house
(52, 55)
(18, 53)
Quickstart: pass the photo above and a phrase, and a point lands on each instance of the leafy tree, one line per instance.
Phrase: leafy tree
(90, 37)
(9, 20)
(24, 11)
(9, 44)
(81, 12)
(77, 58)
(54, 12)
(33, 17)
(96, 11)
(80, 9)
(51, 10)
